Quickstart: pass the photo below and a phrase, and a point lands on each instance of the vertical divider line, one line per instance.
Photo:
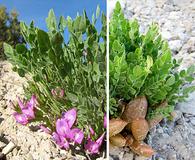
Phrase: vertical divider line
(107, 75)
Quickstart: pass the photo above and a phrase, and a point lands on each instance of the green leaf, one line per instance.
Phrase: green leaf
(51, 21)
(43, 41)
(170, 81)
(21, 72)
(182, 73)
(72, 97)
(98, 11)
(21, 48)
(62, 23)
(188, 90)
(8, 49)
(149, 62)
(189, 79)
(191, 69)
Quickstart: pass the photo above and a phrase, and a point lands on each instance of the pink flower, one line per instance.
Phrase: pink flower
(93, 146)
(105, 120)
(91, 131)
(62, 127)
(60, 141)
(30, 104)
(76, 135)
(20, 118)
(64, 131)
(70, 116)
(27, 111)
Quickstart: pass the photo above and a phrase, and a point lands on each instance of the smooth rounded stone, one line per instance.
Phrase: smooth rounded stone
(188, 105)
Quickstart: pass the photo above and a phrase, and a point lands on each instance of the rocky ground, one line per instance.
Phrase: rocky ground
(22, 142)
(173, 140)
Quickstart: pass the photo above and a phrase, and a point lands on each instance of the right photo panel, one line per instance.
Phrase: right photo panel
(151, 79)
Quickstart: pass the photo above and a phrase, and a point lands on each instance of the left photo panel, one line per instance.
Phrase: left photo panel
(53, 80)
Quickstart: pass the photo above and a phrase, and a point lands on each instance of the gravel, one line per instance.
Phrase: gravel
(172, 140)
(19, 142)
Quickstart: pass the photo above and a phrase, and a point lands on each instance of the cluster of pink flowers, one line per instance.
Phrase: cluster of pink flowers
(93, 146)
(27, 110)
(65, 133)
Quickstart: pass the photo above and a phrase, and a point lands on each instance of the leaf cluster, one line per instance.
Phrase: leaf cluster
(142, 64)
(77, 66)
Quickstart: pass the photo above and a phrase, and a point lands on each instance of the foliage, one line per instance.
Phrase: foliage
(77, 67)
(9, 29)
(142, 64)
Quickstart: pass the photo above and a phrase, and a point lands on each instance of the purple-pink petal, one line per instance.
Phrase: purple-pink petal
(57, 139)
(76, 135)
(20, 103)
(62, 127)
(60, 141)
(61, 93)
(100, 139)
(53, 92)
(70, 116)
(20, 118)
(32, 103)
(29, 113)
(105, 121)
(45, 129)
(91, 146)
(94, 146)
(91, 130)
(65, 143)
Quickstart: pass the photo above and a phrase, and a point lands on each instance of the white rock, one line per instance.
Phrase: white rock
(192, 120)
(189, 105)
(128, 156)
(166, 35)
(175, 45)
(2, 145)
(8, 148)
